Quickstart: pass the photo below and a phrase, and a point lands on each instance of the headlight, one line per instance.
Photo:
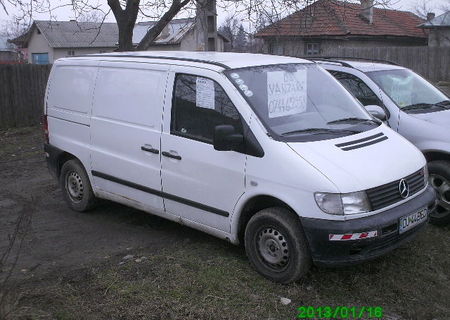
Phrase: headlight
(343, 203)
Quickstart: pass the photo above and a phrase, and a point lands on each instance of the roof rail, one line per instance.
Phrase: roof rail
(158, 57)
(337, 59)
(342, 63)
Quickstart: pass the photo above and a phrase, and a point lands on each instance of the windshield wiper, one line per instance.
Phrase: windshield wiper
(344, 120)
(445, 103)
(318, 131)
(419, 106)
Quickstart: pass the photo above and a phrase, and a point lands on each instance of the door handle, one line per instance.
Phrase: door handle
(150, 149)
(171, 155)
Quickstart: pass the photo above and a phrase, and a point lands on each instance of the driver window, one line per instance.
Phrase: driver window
(358, 88)
(199, 104)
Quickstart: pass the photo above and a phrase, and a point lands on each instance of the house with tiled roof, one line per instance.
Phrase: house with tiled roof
(327, 25)
(439, 29)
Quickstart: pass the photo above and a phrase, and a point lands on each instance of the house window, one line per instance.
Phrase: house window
(39, 58)
(276, 48)
(70, 53)
(312, 48)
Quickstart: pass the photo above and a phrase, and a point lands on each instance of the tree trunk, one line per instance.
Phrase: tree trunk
(126, 19)
(125, 38)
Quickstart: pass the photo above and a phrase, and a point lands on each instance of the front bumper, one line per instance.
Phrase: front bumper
(326, 252)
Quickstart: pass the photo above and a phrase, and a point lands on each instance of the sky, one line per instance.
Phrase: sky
(67, 13)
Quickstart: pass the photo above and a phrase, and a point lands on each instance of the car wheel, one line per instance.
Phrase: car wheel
(276, 246)
(440, 181)
(77, 190)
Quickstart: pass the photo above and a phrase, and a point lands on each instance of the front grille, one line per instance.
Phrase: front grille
(389, 193)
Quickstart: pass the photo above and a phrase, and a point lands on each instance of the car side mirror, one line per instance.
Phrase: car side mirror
(226, 138)
(376, 111)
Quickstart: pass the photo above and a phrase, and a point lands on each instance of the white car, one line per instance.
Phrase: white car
(267, 151)
(413, 107)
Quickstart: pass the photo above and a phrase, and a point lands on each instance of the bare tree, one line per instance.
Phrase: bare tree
(423, 7)
(92, 16)
(13, 28)
(125, 12)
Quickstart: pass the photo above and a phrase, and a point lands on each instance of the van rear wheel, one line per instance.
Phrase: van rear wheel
(440, 181)
(276, 246)
(77, 190)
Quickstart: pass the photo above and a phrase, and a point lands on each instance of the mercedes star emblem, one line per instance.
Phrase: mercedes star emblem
(403, 188)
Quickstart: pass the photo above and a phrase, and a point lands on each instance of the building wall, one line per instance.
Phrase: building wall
(64, 52)
(328, 47)
(190, 43)
(38, 44)
(439, 37)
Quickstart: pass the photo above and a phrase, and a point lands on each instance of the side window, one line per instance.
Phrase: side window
(199, 104)
(358, 88)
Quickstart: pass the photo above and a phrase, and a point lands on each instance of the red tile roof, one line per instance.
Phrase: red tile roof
(340, 18)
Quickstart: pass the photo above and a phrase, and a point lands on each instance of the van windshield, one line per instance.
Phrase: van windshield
(301, 102)
(409, 91)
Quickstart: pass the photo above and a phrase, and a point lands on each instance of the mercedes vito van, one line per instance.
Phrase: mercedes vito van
(267, 151)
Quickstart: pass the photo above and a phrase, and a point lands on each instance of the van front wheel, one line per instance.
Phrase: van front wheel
(440, 181)
(276, 246)
(77, 190)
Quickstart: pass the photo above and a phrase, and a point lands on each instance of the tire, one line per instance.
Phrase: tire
(77, 190)
(276, 246)
(440, 181)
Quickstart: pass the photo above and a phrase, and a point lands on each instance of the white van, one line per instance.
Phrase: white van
(411, 106)
(263, 150)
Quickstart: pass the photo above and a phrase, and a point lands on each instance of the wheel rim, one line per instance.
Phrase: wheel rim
(74, 186)
(442, 187)
(273, 248)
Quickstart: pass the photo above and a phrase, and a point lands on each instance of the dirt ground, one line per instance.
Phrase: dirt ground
(120, 263)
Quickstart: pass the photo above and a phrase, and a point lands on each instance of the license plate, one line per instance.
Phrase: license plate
(410, 221)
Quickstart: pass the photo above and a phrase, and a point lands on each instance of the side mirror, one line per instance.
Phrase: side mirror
(226, 138)
(377, 111)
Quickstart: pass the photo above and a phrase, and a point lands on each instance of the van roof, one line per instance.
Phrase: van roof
(226, 60)
(364, 66)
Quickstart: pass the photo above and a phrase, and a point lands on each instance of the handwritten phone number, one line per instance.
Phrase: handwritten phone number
(339, 312)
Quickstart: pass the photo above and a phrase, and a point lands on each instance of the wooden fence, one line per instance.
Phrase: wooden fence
(22, 87)
(431, 63)
(22, 90)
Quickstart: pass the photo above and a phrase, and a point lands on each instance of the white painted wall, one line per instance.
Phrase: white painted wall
(38, 44)
(64, 52)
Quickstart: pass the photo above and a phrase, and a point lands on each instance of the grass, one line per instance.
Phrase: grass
(206, 278)
(213, 280)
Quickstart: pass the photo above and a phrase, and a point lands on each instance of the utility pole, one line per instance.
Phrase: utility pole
(206, 25)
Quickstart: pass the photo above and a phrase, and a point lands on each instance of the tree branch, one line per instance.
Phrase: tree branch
(151, 34)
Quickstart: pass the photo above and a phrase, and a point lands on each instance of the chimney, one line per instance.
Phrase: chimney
(367, 10)
(430, 16)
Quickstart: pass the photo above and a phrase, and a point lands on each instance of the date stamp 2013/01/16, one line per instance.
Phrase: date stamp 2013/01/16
(339, 312)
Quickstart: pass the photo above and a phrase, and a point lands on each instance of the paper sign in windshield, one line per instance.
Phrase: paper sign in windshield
(286, 93)
(402, 91)
(205, 93)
